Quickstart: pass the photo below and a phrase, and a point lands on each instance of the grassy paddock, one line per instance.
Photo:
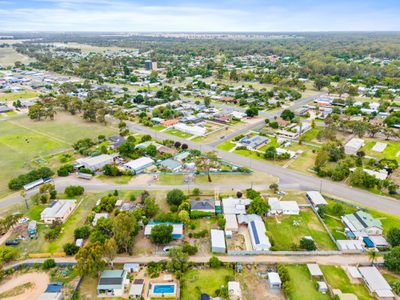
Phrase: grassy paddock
(302, 286)
(338, 279)
(22, 141)
(309, 226)
(194, 282)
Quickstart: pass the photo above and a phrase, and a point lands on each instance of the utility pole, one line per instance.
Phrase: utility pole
(23, 195)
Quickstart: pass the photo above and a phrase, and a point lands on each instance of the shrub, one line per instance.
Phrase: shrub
(82, 232)
(65, 170)
(74, 190)
(196, 214)
(214, 262)
(70, 249)
(48, 264)
(307, 244)
(175, 197)
(18, 182)
(53, 233)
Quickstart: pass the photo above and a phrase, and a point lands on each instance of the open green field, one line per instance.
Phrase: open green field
(8, 57)
(302, 287)
(22, 141)
(309, 225)
(194, 282)
(179, 133)
(390, 151)
(338, 279)
(158, 127)
(16, 96)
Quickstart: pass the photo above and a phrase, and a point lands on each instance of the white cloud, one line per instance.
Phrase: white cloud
(118, 15)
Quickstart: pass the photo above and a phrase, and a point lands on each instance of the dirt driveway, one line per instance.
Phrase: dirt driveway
(40, 281)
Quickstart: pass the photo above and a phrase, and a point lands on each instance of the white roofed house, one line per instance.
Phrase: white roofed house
(353, 146)
(316, 198)
(376, 283)
(58, 211)
(283, 207)
(194, 130)
(235, 206)
(139, 165)
(257, 232)
(96, 162)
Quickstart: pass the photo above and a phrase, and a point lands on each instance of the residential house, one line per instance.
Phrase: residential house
(376, 283)
(362, 223)
(96, 162)
(112, 283)
(257, 232)
(139, 165)
(352, 146)
(206, 205)
(58, 211)
(235, 206)
(191, 129)
(171, 165)
(283, 207)
(177, 229)
(254, 142)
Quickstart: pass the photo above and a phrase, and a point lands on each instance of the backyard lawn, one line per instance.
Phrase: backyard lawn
(307, 225)
(22, 141)
(390, 151)
(338, 279)
(194, 282)
(178, 133)
(302, 287)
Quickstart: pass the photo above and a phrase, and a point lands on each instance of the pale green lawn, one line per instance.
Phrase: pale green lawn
(16, 96)
(390, 151)
(302, 286)
(179, 133)
(338, 279)
(309, 226)
(227, 145)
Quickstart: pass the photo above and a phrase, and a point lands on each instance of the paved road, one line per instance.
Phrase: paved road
(287, 178)
(335, 259)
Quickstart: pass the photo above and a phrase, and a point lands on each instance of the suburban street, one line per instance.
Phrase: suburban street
(288, 179)
(335, 259)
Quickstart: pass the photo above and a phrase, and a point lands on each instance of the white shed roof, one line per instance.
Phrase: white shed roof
(217, 238)
(274, 278)
(316, 198)
(375, 281)
(314, 270)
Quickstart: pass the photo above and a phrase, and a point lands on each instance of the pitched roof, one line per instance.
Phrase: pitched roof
(202, 204)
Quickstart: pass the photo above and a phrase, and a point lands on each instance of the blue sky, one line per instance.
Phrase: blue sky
(199, 15)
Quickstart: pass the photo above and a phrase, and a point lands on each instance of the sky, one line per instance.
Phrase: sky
(199, 15)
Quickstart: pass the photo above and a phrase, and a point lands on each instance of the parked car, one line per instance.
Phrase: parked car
(168, 248)
(12, 243)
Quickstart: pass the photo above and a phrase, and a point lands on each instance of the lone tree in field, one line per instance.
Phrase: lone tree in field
(207, 162)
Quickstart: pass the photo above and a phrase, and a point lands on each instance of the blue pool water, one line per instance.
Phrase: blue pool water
(164, 289)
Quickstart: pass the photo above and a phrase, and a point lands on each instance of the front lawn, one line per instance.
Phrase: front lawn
(179, 133)
(295, 228)
(226, 146)
(194, 282)
(338, 279)
(390, 151)
(302, 286)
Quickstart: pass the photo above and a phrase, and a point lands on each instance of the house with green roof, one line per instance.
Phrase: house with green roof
(362, 223)
(112, 283)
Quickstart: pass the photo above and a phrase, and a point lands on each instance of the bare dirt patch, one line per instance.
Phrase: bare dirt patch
(39, 281)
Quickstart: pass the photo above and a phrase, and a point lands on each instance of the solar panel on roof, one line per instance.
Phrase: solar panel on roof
(107, 281)
(255, 233)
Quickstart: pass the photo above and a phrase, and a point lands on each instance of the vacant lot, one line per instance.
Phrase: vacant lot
(390, 151)
(195, 282)
(178, 133)
(295, 228)
(302, 287)
(338, 279)
(22, 141)
(16, 96)
(8, 57)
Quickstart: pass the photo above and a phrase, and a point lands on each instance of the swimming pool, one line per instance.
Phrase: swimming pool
(163, 289)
